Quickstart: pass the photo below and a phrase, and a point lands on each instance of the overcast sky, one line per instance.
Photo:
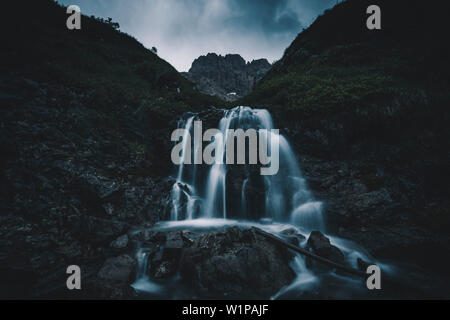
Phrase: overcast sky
(182, 30)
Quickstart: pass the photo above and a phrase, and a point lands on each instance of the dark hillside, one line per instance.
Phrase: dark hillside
(368, 111)
(338, 65)
(111, 67)
(85, 123)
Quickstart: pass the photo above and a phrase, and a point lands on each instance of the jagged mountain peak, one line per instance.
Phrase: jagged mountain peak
(229, 77)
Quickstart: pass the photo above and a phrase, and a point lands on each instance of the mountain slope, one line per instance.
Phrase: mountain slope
(107, 64)
(85, 124)
(371, 109)
(338, 65)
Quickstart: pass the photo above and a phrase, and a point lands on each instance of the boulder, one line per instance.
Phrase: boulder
(120, 243)
(236, 263)
(174, 241)
(119, 269)
(321, 245)
(115, 277)
(165, 269)
(292, 236)
(166, 264)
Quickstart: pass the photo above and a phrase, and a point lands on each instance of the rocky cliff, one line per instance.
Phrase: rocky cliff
(228, 77)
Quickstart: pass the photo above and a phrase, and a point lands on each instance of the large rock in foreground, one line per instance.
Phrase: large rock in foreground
(115, 277)
(236, 263)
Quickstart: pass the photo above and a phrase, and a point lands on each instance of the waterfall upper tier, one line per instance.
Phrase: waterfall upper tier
(239, 191)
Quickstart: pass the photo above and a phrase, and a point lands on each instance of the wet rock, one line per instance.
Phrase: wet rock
(166, 269)
(151, 236)
(320, 245)
(165, 264)
(362, 265)
(289, 232)
(236, 263)
(120, 243)
(292, 236)
(115, 277)
(187, 237)
(174, 241)
(118, 269)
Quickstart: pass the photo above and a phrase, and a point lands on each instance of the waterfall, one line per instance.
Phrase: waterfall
(143, 282)
(183, 195)
(209, 196)
(239, 191)
(243, 202)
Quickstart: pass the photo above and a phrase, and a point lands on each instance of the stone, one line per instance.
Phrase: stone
(165, 263)
(321, 245)
(120, 269)
(292, 236)
(115, 277)
(236, 263)
(120, 243)
(166, 269)
(174, 240)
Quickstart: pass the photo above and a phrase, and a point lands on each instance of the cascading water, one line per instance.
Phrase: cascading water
(285, 195)
(221, 195)
(183, 195)
(143, 282)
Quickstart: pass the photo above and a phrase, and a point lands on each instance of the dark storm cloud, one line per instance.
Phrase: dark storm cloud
(182, 30)
(269, 16)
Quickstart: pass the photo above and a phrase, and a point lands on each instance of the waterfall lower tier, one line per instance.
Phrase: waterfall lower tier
(239, 191)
